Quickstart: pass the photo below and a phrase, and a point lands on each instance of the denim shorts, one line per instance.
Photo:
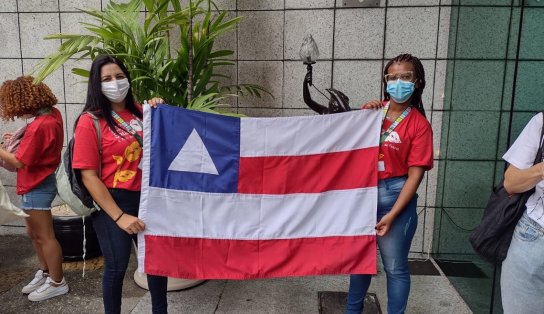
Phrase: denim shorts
(41, 197)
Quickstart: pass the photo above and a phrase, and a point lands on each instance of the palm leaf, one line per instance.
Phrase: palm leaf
(145, 49)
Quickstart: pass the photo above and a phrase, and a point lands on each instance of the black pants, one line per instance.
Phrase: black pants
(116, 246)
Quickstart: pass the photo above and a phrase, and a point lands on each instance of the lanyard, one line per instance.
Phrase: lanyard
(128, 128)
(394, 124)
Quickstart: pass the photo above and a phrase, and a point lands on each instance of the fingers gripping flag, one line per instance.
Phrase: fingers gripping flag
(239, 198)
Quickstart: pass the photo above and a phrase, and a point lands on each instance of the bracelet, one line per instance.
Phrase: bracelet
(122, 213)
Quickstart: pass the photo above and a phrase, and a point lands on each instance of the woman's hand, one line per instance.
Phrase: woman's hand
(155, 101)
(131, 224)
(383, 227)
(373, 104)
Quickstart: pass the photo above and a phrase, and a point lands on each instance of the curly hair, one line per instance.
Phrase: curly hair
(21, 97)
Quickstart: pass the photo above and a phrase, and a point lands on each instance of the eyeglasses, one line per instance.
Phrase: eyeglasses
(403, 76)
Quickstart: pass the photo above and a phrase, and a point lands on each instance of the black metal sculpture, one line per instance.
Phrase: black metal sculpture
(338, 101)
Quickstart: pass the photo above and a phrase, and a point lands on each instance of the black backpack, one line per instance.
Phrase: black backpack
(70, 186)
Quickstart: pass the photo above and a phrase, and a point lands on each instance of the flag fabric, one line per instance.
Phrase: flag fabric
(240, 198)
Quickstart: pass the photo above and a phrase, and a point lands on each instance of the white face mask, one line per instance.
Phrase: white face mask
(116, 91)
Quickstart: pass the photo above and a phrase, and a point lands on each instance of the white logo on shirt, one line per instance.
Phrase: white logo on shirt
(135, 125)
(393, 138)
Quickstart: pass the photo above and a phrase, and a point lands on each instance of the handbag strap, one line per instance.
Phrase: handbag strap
(99, 137)
(96, 123)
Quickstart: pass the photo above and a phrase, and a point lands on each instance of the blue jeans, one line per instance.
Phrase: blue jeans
(394, 248)
(116, 246)
(522, 274)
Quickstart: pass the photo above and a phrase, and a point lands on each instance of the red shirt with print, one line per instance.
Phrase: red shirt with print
(121, 153)
(40, 150)
(410, 144)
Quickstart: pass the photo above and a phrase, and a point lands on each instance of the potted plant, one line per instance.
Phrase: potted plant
(71, 231)
(183, 68)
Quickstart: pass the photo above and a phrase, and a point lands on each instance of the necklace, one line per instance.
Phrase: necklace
(392, 118)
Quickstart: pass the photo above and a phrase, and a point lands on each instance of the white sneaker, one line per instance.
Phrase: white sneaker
(39, 279)
(47, 290)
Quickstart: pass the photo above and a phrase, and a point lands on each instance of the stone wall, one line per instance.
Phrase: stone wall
(354, 44)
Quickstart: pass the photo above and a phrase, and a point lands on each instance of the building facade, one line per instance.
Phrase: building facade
(481, 57)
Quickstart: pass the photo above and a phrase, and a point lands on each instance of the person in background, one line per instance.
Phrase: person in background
(36, 160)
(522, 275)
(117, 190)
(406, 152)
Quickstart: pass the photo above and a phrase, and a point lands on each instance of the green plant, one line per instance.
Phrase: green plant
(185, 75)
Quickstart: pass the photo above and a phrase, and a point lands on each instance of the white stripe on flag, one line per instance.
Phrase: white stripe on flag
(146, 160)
(251, 217)
(309, 135)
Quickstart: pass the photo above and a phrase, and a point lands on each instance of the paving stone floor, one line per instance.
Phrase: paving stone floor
(430, 294)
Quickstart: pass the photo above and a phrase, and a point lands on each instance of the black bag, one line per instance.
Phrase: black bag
(70, 186)
(491, 238)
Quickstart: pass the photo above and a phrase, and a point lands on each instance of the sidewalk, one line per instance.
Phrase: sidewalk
(430, 294)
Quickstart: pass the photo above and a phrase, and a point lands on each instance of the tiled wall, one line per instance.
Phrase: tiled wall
(354, 43)
(492, 90)
(478, 107)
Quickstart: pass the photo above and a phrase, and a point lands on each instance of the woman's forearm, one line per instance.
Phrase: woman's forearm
(10, 159)
(520, 180)
(100, 193)
(415, 175)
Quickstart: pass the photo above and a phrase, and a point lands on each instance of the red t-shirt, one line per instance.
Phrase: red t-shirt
(121, 154)
(410, 144)
(40, 150)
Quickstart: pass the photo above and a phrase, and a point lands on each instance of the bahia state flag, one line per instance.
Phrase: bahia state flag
(239, 198)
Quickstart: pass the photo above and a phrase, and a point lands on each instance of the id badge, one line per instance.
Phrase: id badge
(381, 165)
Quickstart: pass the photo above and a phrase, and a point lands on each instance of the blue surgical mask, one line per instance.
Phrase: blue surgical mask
(400, 90)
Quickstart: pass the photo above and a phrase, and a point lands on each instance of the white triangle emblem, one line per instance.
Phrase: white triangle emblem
(194, 157)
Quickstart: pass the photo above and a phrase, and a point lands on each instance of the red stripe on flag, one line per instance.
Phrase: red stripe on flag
(310, 173)
(196, 258)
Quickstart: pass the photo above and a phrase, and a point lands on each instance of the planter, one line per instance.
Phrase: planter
(68, 229)
(173, 283)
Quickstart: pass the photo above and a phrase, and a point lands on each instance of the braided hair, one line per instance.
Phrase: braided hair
(416, 100)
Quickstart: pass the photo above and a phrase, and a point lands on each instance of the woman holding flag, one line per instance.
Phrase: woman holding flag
(116, 190)
(406, 152)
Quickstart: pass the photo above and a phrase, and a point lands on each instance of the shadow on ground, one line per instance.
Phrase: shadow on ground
(18, 265)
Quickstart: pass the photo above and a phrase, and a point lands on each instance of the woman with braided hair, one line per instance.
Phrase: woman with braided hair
(36, 160)
(406, 152)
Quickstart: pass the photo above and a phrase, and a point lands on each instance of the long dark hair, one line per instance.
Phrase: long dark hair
(96, 102)
(416, 100)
